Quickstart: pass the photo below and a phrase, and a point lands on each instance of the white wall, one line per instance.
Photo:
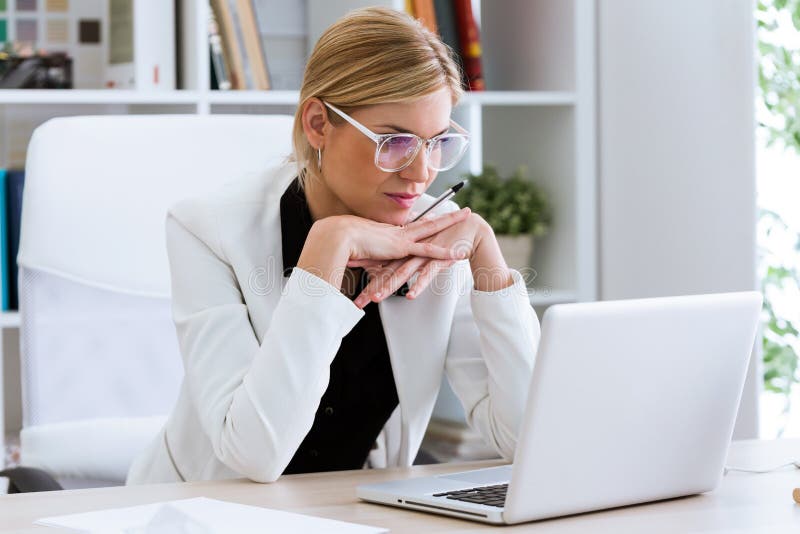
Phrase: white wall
(676, 153)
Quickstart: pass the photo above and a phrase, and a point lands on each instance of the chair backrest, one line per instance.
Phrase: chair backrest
(97, 339)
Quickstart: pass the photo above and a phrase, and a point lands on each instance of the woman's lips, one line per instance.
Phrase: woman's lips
(405, 201)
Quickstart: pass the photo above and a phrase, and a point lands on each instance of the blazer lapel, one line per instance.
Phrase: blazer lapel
(417, 332)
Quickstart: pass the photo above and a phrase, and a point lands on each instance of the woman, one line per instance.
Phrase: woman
(300, 353)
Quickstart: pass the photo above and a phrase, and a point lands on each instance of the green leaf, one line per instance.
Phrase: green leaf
(511, 205)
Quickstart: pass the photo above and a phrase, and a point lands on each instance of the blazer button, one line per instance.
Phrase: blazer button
(314, 453)
(328, 410)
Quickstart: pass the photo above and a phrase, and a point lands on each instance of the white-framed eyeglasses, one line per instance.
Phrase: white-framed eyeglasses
(396, 151)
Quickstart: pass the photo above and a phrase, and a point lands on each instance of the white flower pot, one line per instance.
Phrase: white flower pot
(517, 250)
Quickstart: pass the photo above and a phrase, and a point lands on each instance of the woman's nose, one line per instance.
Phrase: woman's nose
(418, 170)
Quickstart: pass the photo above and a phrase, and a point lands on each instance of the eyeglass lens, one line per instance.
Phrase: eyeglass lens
(398, 150)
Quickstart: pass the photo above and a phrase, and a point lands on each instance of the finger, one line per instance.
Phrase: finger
(376, 270)
(389, 280)
(427, 275)
(437, 252)
(375, 275)
(372, 271)
(388, 283)
(427, 227)
(413, 215)
(365, 263)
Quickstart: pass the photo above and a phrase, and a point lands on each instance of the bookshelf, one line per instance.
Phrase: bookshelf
(539, 110)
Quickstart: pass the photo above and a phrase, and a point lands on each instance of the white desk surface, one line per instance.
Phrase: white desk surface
(742, 503)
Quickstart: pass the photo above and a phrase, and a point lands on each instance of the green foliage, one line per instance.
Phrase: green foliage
(779, 73)
(779, 118)
(780, 337)
(512, 206)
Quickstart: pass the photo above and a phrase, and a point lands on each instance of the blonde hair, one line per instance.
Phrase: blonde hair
(372, 55)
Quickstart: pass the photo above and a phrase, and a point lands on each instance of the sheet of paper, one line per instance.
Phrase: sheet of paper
(200, 516)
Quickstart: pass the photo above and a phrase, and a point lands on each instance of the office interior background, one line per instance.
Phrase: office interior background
(663, 135)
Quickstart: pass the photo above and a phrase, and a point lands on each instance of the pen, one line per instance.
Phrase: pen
(441, 198)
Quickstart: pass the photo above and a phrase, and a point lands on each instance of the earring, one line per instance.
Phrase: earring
(319, 158)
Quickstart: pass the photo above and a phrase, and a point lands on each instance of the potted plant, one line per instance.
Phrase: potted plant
(515, 207)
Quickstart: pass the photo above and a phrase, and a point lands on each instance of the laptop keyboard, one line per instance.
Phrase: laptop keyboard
(488, 495)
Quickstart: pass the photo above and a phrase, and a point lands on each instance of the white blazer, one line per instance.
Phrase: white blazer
(257, 347)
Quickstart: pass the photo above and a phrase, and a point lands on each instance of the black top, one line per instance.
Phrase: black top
(361, 393)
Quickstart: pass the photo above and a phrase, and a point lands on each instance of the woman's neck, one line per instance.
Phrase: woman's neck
(322, 202)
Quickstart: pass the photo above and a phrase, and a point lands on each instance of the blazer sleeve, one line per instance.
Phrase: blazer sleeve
(255, 402)
(493, 342)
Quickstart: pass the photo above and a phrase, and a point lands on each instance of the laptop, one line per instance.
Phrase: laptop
(630, 401)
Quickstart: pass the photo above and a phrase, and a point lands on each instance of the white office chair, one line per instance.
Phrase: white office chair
(100, 361)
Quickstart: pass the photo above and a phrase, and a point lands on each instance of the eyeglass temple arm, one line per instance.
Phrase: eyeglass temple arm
(363, 129)
(458, 127)
(372, 135)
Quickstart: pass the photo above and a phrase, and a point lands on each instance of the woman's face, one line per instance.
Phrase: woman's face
(348, 170)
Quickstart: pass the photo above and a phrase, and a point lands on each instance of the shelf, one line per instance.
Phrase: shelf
(111, 96)
(9, 319)
(253, 97)
(519, 98)
(484, 98)
(96, 96)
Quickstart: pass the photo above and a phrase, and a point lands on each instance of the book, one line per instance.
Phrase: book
(180, 75)
(141, 45)
(4, 271)
(15, 183)
(253, 45)
(423, 9)
(470, 45)
(219, 68)
(238, 33)
(448, 31)
(230, 45)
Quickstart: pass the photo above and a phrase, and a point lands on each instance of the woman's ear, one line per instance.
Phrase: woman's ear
(315, 122)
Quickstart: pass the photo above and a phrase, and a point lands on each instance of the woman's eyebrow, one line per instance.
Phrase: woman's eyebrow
(403, 130)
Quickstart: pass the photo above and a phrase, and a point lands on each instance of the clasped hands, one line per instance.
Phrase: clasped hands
(393, 254)
(432, 244)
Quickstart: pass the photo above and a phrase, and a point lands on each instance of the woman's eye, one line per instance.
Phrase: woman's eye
(398, 141)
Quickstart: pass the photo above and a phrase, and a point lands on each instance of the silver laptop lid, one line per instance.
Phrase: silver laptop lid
(631, 401)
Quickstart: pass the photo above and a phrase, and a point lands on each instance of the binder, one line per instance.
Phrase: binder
(5, 283)
(15, 183)
(141, 45)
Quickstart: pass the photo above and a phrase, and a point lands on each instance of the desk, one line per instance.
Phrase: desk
(741, 501)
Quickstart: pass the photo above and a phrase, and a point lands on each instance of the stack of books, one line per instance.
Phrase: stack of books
(455, 23)
(238, 59)
(237, 54)
(12, 183)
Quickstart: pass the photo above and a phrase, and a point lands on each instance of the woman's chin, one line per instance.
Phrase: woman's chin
(390, 220)
(396, 217)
